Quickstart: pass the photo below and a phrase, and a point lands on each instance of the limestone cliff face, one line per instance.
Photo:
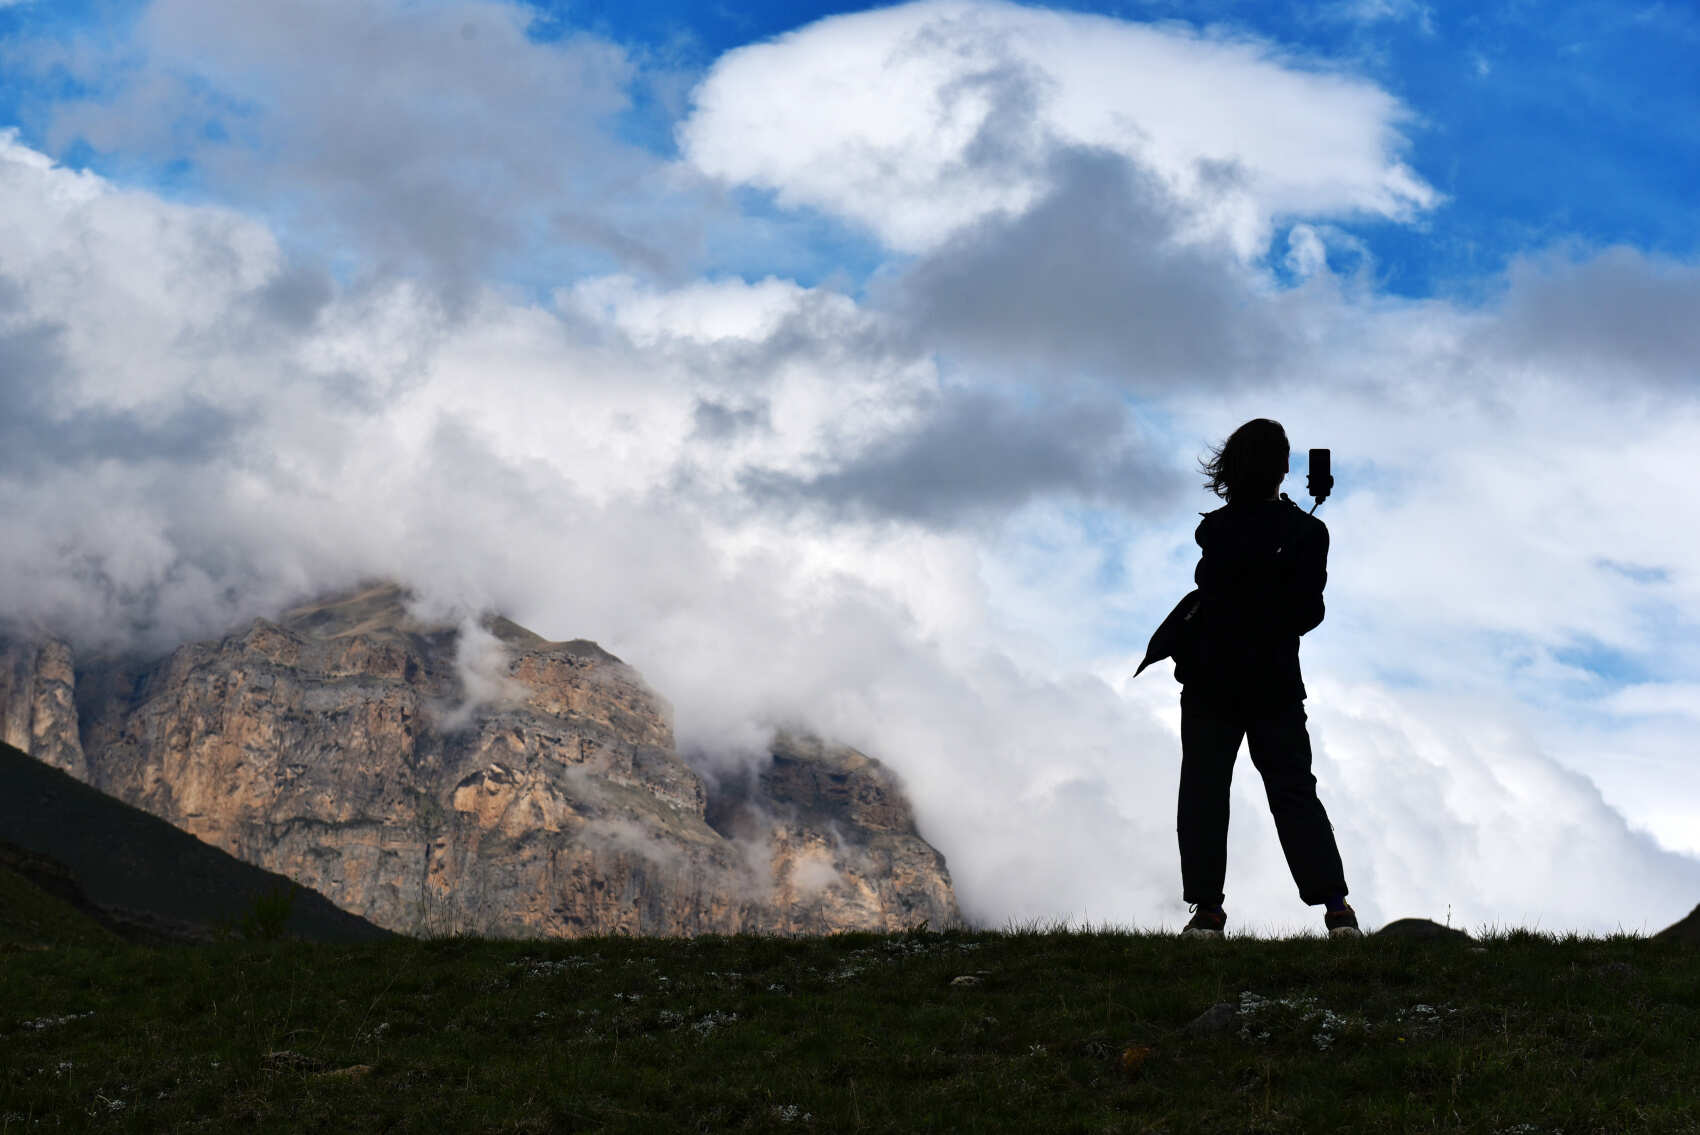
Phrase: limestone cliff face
(478, 778)
(839, 834)
(37, 713)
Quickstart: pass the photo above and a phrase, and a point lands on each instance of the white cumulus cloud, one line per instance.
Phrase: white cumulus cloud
(922, 119)
(892, 517)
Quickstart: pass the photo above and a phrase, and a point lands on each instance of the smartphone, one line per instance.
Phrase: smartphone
(1321, 481)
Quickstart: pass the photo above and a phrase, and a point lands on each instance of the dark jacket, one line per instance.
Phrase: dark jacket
(1260, 581)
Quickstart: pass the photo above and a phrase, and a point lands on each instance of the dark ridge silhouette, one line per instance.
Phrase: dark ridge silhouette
(137, 875)
(1684, 930)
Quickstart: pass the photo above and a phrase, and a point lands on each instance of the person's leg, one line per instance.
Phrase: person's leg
(1280, 748)
(1210, 740)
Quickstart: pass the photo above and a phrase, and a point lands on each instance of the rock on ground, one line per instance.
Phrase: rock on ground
(1420, 928)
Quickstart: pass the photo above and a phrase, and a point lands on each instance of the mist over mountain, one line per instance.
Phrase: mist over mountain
(476, 778)
(853, 378)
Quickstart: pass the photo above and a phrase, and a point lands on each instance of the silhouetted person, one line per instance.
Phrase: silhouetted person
(1235, 642)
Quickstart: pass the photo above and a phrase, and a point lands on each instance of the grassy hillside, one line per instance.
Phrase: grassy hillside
(150, 877)
(963, 1031)
(32, 916)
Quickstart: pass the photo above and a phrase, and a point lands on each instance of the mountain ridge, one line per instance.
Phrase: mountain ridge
(137, 875)
(473, 776)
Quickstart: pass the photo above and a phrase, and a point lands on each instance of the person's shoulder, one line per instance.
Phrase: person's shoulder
(1309, 523)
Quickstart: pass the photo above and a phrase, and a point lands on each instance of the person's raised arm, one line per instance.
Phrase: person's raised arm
(1309, 578)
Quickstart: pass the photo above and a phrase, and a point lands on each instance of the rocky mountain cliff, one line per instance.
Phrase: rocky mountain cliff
(474, 778)
(37, 712)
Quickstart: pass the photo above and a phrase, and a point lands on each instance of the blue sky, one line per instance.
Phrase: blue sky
(1542, 124)
(859, 379)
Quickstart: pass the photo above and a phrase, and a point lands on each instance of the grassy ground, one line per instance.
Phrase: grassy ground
(30, 914)
(960, 1032)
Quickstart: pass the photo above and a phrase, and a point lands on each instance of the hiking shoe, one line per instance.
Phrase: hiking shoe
(1206, 924)
(1342, 923)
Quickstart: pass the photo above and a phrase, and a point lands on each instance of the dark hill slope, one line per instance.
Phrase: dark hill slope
(149, 880)
(1684, 930)
(41, 905)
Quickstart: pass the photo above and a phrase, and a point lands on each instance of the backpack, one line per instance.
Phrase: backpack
(1195, 635)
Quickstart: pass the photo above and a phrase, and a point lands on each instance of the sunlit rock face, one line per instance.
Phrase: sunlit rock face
(37, 711)
(475, 778)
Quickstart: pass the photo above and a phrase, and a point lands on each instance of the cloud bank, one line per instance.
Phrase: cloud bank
(936, 518)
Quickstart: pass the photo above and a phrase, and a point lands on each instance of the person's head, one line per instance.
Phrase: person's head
(1250, 464)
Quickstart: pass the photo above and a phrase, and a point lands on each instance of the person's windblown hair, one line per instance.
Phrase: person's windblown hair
(1250, 464)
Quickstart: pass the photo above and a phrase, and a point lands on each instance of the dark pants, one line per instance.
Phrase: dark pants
(1211, 730)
